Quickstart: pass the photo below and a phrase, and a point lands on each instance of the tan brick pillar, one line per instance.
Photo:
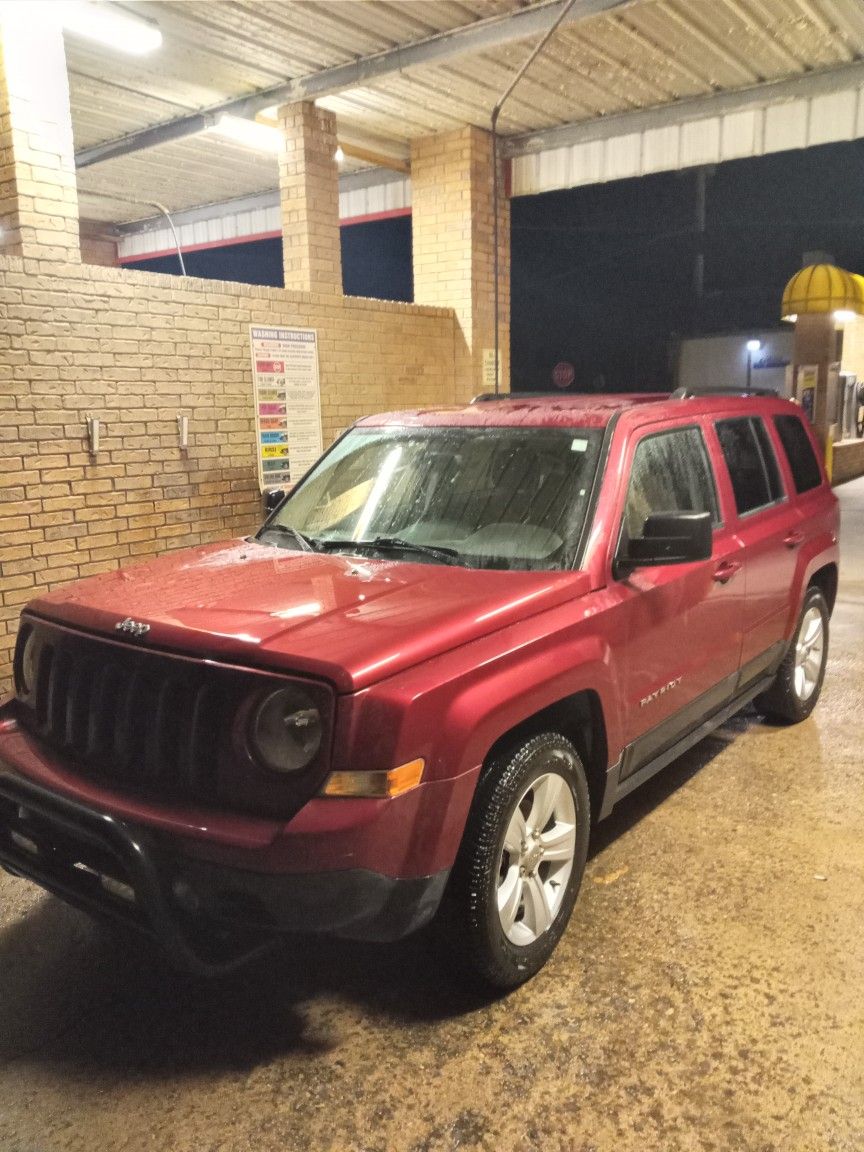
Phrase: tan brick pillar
(816, 342)
(451, 207)
(309, 191)
(38, 192)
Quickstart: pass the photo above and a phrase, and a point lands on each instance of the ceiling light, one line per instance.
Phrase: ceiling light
(339, 155)
(111, 25)
(754, 345)
(248, 133)
(791, 318)
(844, 315)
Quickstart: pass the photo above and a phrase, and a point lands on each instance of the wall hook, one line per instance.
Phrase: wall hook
(93, 425)
(183, 430)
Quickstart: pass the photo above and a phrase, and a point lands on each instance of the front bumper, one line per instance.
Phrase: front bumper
(208, 917)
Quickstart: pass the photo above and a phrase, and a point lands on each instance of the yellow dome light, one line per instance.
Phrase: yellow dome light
(823, 288)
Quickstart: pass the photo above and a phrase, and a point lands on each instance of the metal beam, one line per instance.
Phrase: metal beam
(471, 38)
(681, 112)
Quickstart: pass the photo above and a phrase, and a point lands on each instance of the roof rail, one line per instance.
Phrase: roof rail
(486, 397)
(692, 393)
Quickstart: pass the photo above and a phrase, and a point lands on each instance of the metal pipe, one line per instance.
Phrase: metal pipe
(160, 208)
(496, 112)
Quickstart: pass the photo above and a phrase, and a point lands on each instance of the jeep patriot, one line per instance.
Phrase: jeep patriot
(462, 637)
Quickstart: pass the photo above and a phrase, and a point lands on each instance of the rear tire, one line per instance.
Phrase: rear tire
(798, 683)
(520, 864)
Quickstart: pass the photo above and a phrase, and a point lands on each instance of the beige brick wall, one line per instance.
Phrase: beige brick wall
(847, 461)
(96, 246)
(136, 349)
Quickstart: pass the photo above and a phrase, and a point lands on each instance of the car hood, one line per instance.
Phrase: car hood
(346, 619)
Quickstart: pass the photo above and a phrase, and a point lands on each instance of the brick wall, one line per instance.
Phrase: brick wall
(847, 461)
(136, 349)
(96, 246)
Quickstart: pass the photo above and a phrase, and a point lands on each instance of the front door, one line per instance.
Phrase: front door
(677, 627)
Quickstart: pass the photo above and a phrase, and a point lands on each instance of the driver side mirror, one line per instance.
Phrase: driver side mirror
(668, 538)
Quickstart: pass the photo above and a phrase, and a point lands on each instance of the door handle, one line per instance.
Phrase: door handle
(725, 571)
(793, 539)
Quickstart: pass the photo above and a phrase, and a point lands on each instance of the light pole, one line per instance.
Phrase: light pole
(752, 346)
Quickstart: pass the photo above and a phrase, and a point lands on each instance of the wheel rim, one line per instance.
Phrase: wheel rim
(809, 649)
(536, 859)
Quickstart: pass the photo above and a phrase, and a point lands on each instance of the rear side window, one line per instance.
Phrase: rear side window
(671, 473)
(751, 462)
(799, 452)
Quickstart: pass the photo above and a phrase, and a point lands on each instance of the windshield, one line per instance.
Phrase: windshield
(484, 498)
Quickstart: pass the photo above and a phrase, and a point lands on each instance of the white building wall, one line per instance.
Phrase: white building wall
(721, 361)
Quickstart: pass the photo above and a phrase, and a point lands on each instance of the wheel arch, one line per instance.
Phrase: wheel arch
(578, 717)
(825, 579)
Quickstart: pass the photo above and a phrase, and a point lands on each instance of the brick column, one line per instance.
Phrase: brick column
(309, 191)
(816, 342)
(451, 199)
(38, 192)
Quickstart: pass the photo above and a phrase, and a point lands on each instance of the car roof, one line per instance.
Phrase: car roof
(585, 410)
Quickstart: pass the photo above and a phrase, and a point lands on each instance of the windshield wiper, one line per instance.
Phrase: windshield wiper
(395, 544)
(305, 542)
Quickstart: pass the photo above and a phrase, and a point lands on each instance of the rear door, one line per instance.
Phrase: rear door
(768, 526)
(676, 627)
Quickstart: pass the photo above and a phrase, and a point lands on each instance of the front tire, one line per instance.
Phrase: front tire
(798, 683)
(517, 875)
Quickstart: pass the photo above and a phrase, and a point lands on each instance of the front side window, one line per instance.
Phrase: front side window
(671, 473)
(751, 462)
(512, 498)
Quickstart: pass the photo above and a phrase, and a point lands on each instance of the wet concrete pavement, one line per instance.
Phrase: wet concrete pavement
(707, 994)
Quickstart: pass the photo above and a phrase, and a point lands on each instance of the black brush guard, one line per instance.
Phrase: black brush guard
(99, 864)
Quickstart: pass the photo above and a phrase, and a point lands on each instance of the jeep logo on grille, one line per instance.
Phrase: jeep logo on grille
(132, 627)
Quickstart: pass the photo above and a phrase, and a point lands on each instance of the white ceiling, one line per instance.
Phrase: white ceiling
(646, 54)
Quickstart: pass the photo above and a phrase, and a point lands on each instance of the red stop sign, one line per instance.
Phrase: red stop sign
(563, 374)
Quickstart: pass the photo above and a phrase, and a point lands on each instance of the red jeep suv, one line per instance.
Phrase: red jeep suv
(464, 634)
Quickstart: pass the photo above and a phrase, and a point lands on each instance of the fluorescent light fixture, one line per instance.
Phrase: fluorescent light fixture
(108, 24)
(248, 133)
(791, 318)
(844, 315)
(339, 155)
(754, 345)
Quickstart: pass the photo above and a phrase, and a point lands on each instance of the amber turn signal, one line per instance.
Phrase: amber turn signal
(375, 784)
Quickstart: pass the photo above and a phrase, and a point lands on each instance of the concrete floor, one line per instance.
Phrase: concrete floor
(706, 996)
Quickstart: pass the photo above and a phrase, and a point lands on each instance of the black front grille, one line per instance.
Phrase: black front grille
(157, 724)
(150, 722)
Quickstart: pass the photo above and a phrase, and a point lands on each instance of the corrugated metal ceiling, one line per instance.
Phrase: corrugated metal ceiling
(650, 53)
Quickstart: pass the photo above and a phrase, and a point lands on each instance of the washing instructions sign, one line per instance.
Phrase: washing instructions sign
(287, 403)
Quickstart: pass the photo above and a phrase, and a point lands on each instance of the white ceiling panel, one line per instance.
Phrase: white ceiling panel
(646, 54)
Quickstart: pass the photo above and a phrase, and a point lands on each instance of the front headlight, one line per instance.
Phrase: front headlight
(25, 665)
(285, 730)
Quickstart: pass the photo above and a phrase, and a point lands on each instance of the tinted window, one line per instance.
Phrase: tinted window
(752, 464)
(670, 473)
(769, 460)
(799, 452)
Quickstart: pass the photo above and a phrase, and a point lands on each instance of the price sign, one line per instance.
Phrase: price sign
(287, 403)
